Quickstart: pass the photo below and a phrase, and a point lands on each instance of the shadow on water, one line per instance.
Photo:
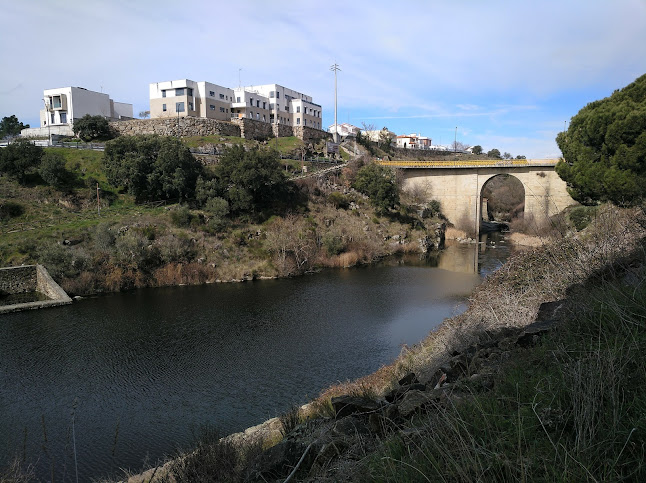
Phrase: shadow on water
(139, 370)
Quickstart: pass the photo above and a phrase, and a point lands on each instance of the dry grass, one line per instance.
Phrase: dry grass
(453, 233)
(511, 297)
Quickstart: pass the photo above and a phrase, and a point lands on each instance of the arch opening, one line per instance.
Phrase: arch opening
(502, 201)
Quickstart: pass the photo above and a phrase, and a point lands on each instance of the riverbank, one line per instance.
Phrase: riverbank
(486, 398)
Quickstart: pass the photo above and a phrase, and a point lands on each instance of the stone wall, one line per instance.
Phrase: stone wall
(253, 129)
(169, 126)
(199, 126)
(27, 279)
(18, 279)
(309, 134)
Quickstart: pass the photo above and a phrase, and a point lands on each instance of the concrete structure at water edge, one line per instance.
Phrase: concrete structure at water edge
(26, 280)
(458, 186)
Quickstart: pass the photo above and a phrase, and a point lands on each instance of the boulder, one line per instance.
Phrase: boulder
(347, 405)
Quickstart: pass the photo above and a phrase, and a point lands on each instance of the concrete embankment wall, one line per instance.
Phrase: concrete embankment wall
(30, 278)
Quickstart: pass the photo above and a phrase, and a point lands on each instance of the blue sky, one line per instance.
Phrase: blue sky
(506, 73)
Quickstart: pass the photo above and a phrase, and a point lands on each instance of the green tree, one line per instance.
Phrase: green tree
(89, 128)
(604, 148)
(378, 183)
(19, 159)
(152, 167)
(494, 153)
(252, 181)
(520, 156)
(10, 126)
(477, 149)
(507, 155)
(53, 171)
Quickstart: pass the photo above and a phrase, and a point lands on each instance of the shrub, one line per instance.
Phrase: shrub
(176, 249)
(19, 159)
(132, 251)
(339, 200)
(90, 127)
(53, 171)
(104, 237)
(181, 217)
(378, 183)
(333, 244)
(10, 209)
(218, 207)
(581, 216)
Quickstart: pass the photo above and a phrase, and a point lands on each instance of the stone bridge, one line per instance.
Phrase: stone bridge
(458, 186)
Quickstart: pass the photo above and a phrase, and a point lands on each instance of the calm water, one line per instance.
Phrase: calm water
(129, 377)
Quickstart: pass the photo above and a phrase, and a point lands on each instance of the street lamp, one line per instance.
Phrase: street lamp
(47, 121)
(335, 68)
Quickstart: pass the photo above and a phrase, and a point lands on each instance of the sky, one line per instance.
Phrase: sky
(504, 74)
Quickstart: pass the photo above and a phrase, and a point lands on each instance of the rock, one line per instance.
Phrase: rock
(347, 405)
(278, 461)
(350, 426)
(414, 401)
(408, 379)
(397, 394)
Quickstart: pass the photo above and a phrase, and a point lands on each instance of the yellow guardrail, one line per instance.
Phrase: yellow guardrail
(505, 163)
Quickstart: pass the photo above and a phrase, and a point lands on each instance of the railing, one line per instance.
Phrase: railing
(44, 143)
(505, 163)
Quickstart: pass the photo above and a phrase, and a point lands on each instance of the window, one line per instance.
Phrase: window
(163, 92)
(237, 99)
(57, 102)
(258, 116)
(257, 103)
(271, 94)
(212, 93)
(212, 107)
(222, 109)
(251, 101)
(164, 107)
(298, 120)
(264, 118)
(179, 107)
(264, 105)
(52, 119)
(189, 91)
(190, 106)
(221, 96)
(298, 108)
(179, 92)
(227, 110)
(277, 95)
(271, 106)
(63, 117)
(251, 114)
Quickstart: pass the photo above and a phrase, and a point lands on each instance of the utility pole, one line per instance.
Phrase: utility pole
(48, 119)
(455, 142)
(335, 68)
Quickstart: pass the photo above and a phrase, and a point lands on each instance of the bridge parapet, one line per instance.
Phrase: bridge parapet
(502, 163)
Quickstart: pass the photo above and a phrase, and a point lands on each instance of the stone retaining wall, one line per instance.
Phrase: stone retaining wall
(169, 126)
(31, 278)
(198, 126)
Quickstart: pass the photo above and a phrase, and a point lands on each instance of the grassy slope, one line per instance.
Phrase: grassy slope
(189, 254)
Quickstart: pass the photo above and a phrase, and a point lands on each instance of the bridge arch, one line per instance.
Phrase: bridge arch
(502, 189)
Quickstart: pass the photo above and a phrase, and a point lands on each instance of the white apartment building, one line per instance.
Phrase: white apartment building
(269, 103)
(65, 104)
(345, 129)
(413, 141)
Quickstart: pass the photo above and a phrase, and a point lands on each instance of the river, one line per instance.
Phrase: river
(125, 379)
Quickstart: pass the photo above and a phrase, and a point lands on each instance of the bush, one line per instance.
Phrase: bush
(333, 244)
(10, 209)
(378, 183)
(339, 200)
(89, 128)
(53, 171)
(152, 167)
(181, 217)
(581, 216)
(176, 249)
(218, 207)
(19, 159)
(104, 237)
(132, 251)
